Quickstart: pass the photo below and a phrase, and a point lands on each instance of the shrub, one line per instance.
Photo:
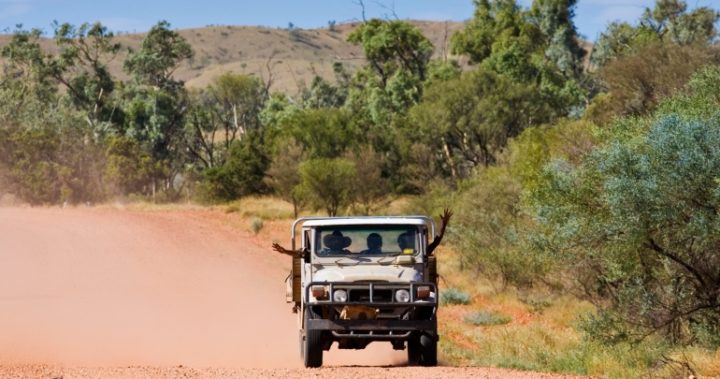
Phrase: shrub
(638, 225)
(256, 225)
(241, 175)
(454, 296)
(487, 318)
(328, 183)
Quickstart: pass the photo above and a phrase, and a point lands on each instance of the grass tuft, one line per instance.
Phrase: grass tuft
(487, 318)
(256, 225)
(454, 296)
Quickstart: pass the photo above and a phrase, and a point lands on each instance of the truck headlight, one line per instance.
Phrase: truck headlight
(340, 296)
(402, 296)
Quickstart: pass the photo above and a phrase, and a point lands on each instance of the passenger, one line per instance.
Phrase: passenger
(336, 243)
(406, 241)
(374, 244)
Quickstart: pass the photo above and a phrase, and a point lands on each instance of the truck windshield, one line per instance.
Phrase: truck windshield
(376, 240)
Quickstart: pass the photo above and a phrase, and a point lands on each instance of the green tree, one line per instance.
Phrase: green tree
(218, 116)
(490, 228)
(322, 133)
(328, 183)
(370, 187)
(492, 225)
(51, 158)
(469, 119)
(283, 175)
(241, 175)
(390, 46)
(538, 46)
(492, 19)
(671, 20)
(81, 66)
(637, 83)
(160, 54)
(27, 74)
(129, 169)
(554, 19)
(323, 94)
(155, 102)
(668, 22)
(636, 222)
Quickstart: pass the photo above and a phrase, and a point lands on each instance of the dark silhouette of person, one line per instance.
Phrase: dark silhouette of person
(445, 218)
(374, 244)
(336, 243)
(406, 241)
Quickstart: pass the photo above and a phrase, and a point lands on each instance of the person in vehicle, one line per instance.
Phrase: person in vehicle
(336, 243)
(445, 218)
(406, 241)
(374, 244)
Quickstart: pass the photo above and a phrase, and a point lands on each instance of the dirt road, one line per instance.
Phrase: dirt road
(142, 293)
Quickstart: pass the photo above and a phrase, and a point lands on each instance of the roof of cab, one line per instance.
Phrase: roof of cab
(367, 220)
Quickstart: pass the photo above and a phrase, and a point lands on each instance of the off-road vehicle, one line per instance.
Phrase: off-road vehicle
(357, 280)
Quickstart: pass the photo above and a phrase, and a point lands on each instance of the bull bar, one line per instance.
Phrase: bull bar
(388, 328)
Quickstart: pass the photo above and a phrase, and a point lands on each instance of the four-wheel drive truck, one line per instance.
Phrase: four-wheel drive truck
(357, 280)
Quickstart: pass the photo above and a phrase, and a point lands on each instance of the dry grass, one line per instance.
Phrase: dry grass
(264, 208)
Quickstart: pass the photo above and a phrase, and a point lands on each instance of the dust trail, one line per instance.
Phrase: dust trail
(104, 287)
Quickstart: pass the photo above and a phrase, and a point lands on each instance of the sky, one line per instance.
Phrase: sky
(592, 16)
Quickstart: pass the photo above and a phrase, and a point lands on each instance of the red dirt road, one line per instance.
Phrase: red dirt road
(152, 289)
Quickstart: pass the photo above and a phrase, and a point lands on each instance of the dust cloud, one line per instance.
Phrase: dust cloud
(107, 287)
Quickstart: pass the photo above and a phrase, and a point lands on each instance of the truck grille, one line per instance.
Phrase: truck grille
(379, 295)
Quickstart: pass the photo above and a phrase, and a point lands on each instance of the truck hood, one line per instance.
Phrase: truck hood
(389, 273)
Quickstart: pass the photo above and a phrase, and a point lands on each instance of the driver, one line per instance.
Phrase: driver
(374, 244)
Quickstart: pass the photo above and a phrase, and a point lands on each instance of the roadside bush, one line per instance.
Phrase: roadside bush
(129, 168)
(328, 183)
(490, 230)
(241, 174)
(256, 225)
(454, 296)
(636, 223)
(51, 164)
(487, 318)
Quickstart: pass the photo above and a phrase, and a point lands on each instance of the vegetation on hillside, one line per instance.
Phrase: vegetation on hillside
(599, 181)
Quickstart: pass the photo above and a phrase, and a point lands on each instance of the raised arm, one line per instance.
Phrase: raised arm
(445, 218)
(293, 253)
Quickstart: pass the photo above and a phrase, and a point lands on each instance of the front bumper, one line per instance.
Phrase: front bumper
(363, 328)
(395, 319)
(375, 294)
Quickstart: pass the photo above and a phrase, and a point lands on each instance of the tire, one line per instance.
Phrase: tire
(301, 338)
(414, 352)
(313, 343)
(429, 350)
(422, 350)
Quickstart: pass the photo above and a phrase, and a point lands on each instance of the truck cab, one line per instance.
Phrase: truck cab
(360, 280)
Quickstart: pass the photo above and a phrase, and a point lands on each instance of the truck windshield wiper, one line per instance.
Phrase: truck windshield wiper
(384, 260)
(353, 261)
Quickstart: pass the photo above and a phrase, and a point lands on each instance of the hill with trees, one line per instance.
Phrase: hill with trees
(289, 58)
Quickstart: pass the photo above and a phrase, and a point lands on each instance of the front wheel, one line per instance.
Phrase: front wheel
(422, 350)
(312, 349)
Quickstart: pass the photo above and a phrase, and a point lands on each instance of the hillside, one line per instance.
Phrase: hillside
(293, 57)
